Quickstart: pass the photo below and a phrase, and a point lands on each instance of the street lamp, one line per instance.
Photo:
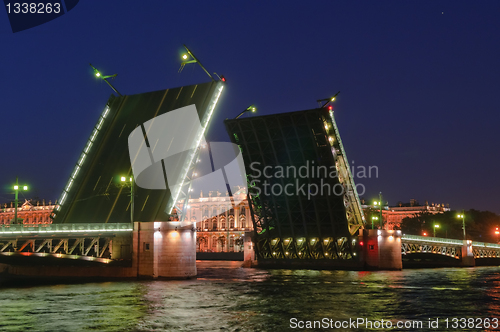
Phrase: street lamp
(497, 232)
(250, 108)
(187, 56)
(435, 226)
(463, 221)
(130, 182)
(374, 218)
(327, 100)
(379, 203)
(16, 189)
(105, 78)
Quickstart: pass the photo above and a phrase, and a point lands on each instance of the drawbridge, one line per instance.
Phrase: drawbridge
(303, 196)
(94, 192)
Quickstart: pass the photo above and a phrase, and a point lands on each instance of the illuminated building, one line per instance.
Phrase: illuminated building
(228, 223)
(394, 215)
(39, 214)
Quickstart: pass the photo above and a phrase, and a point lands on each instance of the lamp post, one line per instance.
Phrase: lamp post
(250, 108)
(379, 203)
(374, 218)
(497, 233)
(327, 100)
(130, 182)
(98, 74)
(463, 221)
(434, 228)
(16, 189)
(186, 59)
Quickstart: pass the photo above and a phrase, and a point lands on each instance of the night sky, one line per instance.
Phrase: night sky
(419, 83)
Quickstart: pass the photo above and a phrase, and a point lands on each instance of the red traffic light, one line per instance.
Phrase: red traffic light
(222, 78)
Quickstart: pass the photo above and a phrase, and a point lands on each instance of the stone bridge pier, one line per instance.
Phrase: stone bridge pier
(164, 250)
(380, 249)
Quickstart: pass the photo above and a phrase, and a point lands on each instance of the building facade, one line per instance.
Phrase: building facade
(394, 215)
(225, 230)
(29, 213)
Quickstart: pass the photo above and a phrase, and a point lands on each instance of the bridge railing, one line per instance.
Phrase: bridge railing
(485, 245)
(443, 240)
(65, 228)
(431, 239)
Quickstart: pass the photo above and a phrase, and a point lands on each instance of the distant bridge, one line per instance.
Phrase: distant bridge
(412, 244)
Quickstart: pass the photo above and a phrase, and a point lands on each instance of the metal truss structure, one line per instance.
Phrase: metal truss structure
(485, 250)
(90, 242)
(413, 248)
(302, 248)
(73, 247)
(412, 244)
(297, 216)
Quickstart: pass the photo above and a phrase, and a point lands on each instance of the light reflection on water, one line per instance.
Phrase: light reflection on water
(228, 298)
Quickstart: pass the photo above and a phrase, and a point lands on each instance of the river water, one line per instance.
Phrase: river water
(228, 298)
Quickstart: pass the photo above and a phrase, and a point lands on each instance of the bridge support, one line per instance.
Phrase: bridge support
(468, 254)
(248, 250)
(381, 249)
(164, 250)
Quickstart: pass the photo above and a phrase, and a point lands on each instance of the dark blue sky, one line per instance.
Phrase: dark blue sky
(419, 83)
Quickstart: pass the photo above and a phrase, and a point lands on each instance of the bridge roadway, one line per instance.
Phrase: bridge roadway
(93, 242)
